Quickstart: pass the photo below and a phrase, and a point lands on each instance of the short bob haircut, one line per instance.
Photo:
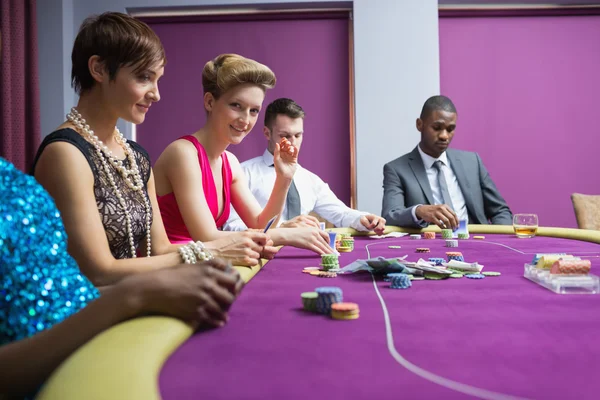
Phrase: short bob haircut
(230, 70)
(120, 41)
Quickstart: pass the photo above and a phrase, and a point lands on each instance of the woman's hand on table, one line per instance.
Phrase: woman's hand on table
(200, 294)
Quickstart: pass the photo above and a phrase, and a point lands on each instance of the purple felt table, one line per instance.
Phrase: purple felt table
(498, 337)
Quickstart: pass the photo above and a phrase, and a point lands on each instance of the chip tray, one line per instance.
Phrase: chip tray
(563, 284)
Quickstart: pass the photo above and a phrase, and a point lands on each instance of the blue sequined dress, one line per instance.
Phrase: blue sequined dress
(40, 284)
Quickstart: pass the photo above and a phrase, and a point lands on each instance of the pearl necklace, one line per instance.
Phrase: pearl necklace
(135, 182)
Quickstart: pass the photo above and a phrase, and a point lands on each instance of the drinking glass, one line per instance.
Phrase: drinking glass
(525, 225)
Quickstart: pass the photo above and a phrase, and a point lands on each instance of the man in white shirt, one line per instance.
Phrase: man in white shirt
(436, 185)
(284, 118)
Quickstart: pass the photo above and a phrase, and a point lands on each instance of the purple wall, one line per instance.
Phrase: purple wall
(310, 59)
(526, 90)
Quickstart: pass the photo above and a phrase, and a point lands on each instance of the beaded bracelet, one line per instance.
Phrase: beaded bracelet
(201, 252)
(187, 255)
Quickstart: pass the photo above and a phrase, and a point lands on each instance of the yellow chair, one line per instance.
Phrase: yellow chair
(587, 210)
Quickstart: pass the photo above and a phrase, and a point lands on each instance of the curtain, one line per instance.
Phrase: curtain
(19, 91)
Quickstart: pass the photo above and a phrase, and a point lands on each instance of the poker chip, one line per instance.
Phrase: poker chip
(346, 243)
(339, 317)
(307, 270)
(456, 275)
(537, 257)
(479, 237)
(315, 273)
(463, 235)
(571, 267)
(437, 260)
(399, 281)
(309, 301)
(547, 260)
(394, 247)
(423, 250)
(327, 274)
(433, 276)
(329, 261)
(455, 255)
(447, 233)
(451, 243)
(491, 273)
(475, 276)
(415, 236)
(328, 295)
(344, 307)
(335, 267)
(429, 235)
(329, 258)
(417, 278)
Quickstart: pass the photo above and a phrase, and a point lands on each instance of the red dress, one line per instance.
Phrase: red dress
(169, 210)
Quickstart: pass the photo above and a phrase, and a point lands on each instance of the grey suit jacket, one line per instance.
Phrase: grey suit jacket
(405, 185)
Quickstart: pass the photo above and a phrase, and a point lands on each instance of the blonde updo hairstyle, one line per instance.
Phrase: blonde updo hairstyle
(230, 70)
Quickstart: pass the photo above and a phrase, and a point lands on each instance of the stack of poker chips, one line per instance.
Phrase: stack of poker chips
(415, 236)
(422, 250)
(451, 243)
(328, 295)
(447, 234)
(547, 260)
(463, 235)
(330, 262)
(455, 255)
(399, 281)
(572, 266)
(344, 311)
(437, 261)
(346, 243)
(429, 235)
(537, 257)
(309, 301)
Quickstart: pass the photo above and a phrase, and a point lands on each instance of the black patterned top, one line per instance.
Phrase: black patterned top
(111, 213)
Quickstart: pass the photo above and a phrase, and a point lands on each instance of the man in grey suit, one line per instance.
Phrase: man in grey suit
(436, 185)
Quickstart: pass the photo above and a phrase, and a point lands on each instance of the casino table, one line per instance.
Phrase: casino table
(493, 338)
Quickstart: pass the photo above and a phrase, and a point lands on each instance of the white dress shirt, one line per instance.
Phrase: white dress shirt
(315, 195)
(458, 200)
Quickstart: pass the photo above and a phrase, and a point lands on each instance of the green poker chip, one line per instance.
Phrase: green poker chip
(434, 276)
(491, 273)
(456, 276)
(417, 278)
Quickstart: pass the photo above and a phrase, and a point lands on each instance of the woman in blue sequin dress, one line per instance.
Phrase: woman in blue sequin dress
(46, 303)
(49, 308)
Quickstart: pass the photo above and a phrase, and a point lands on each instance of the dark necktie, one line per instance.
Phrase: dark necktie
(442, 182)
(292, 201)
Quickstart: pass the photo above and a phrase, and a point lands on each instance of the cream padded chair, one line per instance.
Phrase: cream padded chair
(587, 210)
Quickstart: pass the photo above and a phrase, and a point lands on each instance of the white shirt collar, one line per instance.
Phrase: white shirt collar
(428, 160)
(267, 158)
